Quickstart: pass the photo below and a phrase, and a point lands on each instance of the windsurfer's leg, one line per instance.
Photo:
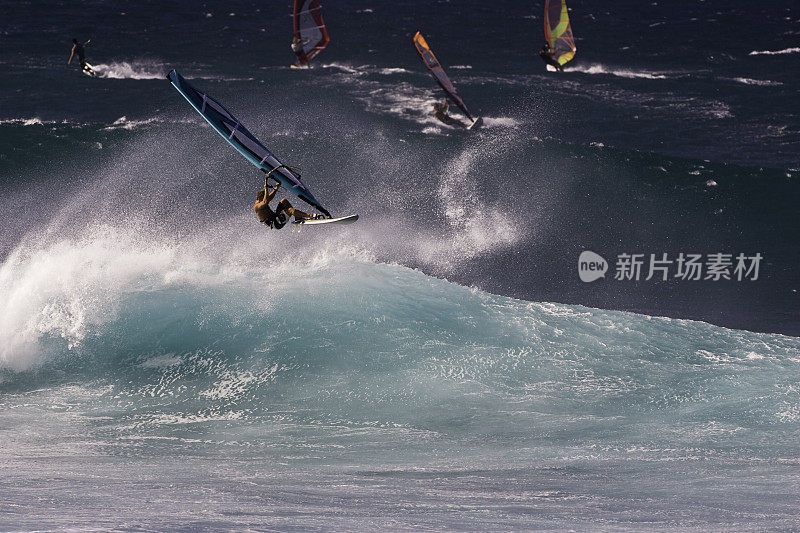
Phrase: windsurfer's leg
(286, 207)
(299, 215)
(283, 205)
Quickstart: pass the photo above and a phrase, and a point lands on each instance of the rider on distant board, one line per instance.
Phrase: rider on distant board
(78, 49)
(440, 112)
(297, 48)
(278, 218)
(548, 55)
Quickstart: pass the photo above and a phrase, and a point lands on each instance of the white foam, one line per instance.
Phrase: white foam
(125, 124)
(24, 121)
(750, 81)
(718, 109)
(775, 52)
(623, 73)
(349, 69)
(393, 70)
(432, 130)
(135, 70)
(62, 288)
(500, 122)
(34, 121)
(65, 289)
(405, 101)
(235, 384)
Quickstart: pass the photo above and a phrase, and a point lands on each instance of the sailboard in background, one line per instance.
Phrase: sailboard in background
(243, 141)
(439, 74)
(557, 30)
(310, 29)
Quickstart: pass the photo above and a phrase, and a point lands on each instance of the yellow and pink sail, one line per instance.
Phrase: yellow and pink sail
(558, 31)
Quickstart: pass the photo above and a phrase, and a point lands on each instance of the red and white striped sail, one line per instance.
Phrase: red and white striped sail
(309, 28)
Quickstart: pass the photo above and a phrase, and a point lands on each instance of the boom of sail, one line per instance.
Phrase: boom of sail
(243, 141)
(438, 73)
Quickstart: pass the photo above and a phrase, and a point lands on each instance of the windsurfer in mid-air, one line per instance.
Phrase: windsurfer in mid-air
(440, 112)
(297, 48)
(79, 50)
(548, 55)
(278, 218)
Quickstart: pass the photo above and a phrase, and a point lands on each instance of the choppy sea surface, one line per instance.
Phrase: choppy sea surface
(167, 363)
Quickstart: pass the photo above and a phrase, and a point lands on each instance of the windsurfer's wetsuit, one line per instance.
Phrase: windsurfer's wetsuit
(548, 55)
(278, 218)
(297, 48)
(78, 49)
(440, 112)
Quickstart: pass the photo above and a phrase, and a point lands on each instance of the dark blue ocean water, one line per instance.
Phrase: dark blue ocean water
(168, 363)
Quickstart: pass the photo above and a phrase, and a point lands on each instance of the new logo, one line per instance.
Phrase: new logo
(591, 266)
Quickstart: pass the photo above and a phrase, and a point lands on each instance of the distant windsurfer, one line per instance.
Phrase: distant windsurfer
(548, 55)
(278, 218)
(297, 48)
(440, 112)
(78, 49)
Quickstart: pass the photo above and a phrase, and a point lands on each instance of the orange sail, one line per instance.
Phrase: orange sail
(438, 73)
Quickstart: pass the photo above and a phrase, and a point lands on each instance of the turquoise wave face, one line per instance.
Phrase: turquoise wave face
(161, 342)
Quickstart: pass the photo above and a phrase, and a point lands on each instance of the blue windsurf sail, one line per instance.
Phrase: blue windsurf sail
(245, 142)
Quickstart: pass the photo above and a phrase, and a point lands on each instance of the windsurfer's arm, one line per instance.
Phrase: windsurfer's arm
(268, 196)
(71, 54)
